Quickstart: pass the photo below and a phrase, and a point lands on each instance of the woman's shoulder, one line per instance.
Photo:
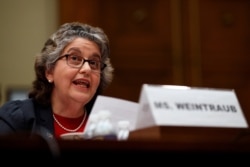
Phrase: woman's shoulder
(18, 103)
(16, 106)
(18, 115)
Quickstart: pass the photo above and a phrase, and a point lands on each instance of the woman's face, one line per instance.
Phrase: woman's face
(76, 84)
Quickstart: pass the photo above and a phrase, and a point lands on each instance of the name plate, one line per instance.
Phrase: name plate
(170, 105)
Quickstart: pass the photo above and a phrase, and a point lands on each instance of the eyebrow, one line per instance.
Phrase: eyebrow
(75, 49)
(78, 50)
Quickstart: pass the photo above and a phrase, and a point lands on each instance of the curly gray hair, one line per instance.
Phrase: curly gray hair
(52, 50)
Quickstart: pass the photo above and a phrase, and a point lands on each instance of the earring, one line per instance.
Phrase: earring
(49, 81)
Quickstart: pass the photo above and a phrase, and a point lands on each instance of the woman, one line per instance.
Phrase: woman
(71, 70)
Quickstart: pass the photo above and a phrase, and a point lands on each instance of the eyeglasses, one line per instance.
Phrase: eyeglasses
(76, 61)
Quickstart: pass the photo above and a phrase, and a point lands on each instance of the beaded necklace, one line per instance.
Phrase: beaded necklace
(70, 130)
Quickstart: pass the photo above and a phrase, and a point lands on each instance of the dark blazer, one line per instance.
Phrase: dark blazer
(26, 116)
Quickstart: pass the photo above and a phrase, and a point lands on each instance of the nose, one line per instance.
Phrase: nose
(85, 67)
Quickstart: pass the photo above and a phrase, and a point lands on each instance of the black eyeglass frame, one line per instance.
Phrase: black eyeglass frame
(103, 65)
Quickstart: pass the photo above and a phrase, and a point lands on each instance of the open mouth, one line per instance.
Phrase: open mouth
(82, 83)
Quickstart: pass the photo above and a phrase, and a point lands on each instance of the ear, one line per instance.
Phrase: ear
(49, 75)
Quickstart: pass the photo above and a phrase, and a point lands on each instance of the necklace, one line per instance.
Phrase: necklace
(70, 130)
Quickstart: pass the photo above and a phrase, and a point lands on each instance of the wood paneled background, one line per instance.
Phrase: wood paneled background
(200, 43)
